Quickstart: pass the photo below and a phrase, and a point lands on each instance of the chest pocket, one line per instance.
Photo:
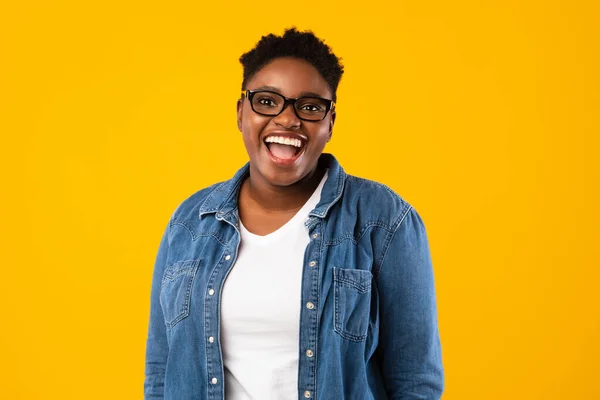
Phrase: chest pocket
(176, 291)
(352, 302)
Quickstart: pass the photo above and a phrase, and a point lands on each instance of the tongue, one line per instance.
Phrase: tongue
(282, 150)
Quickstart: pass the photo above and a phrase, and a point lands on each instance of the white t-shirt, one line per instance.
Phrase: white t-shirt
(260, 311)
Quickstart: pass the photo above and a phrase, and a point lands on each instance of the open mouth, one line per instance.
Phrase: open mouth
(284, 148)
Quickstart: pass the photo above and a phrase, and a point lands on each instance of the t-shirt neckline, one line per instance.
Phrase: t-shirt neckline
(302, 213)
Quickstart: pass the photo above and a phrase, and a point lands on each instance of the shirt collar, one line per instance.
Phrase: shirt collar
(224, 198)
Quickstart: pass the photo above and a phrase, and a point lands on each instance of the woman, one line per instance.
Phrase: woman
(293, 279)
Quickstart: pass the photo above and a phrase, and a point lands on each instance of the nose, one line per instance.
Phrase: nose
(288, 118)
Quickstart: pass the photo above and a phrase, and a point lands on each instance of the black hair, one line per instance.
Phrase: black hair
(293, 43)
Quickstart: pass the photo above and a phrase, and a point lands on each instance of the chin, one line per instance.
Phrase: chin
(282, 178)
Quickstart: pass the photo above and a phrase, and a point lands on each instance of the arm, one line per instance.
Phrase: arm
(157, 347)
(409, 343)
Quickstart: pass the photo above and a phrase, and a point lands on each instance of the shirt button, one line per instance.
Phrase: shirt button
(309, 353)
(312, 263)
(227, 257)
(211, 292)
(211, 339)
(214, 381)
(310, 305)
(315, 235)
(307, 394)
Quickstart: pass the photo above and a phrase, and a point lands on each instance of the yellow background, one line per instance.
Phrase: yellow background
(483, 115)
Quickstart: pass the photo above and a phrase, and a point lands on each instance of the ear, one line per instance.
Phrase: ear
(240, 109)
(331, 122)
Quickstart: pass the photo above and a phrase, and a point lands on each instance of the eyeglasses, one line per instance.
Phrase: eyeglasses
(307, 108)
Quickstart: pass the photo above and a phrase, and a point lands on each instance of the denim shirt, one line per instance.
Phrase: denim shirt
(373, 331)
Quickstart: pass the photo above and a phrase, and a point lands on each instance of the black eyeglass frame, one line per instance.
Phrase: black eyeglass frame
(329, 104)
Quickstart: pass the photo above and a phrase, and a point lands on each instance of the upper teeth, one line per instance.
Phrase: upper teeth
(284, 140)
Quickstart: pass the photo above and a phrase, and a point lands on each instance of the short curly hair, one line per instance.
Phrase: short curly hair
(293, 43)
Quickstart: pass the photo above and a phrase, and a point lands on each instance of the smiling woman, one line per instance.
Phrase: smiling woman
(293, 279)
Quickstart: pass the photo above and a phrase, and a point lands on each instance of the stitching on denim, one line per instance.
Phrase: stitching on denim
(207, 314)
(191, 230)
(388, 242)
(210, 284)
(379, 184)
(350, 336)
(234, 189)
(208, 199)
(337, 322)
(168, 233)
(361, 288)
(337, 326)
(342, 176)
(362, 232)
(221, 238)
(185, 311)
(172, 275)
(180, 269)
(318, 279)
(339, 190)
(195, 236)
(379, 262)
(336, 292)
(215, 235)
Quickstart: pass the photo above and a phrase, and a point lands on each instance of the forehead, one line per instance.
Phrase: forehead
(292, 77)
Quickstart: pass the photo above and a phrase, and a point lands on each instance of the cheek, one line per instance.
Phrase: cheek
(320, 135)
(253, 124)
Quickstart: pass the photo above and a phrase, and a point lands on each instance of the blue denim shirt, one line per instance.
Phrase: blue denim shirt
(373, 332)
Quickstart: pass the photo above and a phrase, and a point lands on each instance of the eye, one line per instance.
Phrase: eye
(311, 107)
(266, 101)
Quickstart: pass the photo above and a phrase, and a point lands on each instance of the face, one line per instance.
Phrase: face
(271, 160)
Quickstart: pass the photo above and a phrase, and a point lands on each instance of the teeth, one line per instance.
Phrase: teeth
(284, 140)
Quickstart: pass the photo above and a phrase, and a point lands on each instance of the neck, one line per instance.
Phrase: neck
(281, 198)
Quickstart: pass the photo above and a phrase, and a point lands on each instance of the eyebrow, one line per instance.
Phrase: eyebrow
(274, 89)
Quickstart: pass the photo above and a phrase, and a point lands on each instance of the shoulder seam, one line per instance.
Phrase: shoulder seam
(390, 238)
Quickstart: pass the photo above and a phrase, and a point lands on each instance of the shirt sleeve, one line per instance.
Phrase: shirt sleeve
(157, 348)
(409, 344)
